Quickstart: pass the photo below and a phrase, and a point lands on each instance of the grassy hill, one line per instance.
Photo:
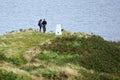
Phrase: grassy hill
(31, 55)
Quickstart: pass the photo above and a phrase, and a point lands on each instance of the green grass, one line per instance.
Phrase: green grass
(9, 75)
(92, 53)
(18, 43)
(14, 45)
(42, 56)
(58, 58)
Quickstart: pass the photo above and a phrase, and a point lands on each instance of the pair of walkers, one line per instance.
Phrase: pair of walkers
(42, 24)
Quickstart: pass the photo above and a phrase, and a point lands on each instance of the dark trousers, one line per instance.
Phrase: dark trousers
(40, 28)
(44, 28)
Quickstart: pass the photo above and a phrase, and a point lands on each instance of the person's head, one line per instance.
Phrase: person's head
(43, 19)
(40, 19)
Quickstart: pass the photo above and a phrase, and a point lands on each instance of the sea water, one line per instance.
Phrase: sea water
(100, 17)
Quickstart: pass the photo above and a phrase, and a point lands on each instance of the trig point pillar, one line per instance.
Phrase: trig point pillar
(58, 29)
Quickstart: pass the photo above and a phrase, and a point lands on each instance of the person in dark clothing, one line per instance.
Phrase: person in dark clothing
(44, 23)
(40, 24)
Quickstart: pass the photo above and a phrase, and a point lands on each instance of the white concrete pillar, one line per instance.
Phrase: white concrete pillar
(58, 29)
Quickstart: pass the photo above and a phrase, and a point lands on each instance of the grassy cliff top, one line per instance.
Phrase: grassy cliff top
(31, 55)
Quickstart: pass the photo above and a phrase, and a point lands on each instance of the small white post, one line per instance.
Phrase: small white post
(58, 29)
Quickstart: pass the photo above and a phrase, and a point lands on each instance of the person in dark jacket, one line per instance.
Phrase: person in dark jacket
(44, 23)
(40, 24)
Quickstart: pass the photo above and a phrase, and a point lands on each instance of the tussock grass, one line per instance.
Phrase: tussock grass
(31, 55)
(91, 52)
(10, 75)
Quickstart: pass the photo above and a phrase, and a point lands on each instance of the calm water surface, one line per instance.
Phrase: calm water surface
(101, 17)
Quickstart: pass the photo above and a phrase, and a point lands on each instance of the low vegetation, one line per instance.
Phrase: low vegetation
(31, 55)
